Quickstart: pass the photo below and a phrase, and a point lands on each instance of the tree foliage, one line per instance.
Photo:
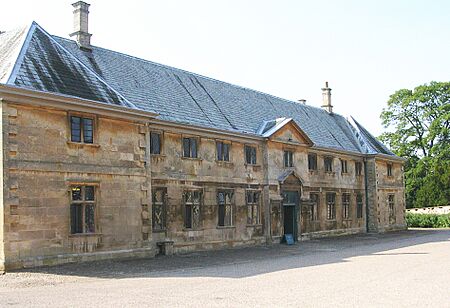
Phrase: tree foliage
(418, 129)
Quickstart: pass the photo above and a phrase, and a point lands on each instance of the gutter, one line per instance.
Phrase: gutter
(366, 189)
(46, 99)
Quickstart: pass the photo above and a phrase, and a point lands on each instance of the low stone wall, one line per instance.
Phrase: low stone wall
(440, 210)
(147, 252)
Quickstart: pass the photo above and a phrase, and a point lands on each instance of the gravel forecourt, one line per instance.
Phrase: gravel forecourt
(400, 269)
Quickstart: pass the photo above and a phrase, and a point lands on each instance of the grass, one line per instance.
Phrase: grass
(428, 220)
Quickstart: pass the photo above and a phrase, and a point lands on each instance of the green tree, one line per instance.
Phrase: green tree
(418, 129)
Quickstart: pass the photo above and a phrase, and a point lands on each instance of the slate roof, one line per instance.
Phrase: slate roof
(55, 64)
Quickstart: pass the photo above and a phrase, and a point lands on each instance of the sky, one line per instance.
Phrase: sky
(366, 50)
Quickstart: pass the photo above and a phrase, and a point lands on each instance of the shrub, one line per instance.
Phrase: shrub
(427, 220)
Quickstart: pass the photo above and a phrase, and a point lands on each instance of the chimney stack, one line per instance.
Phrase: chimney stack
(302, 101)
(80, 24)
(326, 100)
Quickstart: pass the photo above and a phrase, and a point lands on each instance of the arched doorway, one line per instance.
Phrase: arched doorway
(291, 188)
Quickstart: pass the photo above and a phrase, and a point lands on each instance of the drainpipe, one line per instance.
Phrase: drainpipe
(366, 188)
(266, 192)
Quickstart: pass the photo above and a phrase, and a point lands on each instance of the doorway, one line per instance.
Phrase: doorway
(290, 206)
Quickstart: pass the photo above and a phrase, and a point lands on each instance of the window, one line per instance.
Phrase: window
(159, 201)
(389, 169)
(81, 129)
(328, 162)
(344, 166)
(331, 206)
(358, 168)
(223, 151)
(346, 206)
(190, 147)
(225, 208)
(288, 159)
(253, 207)
(192, 209)
(312, 161)
(250, 155)
(391, 204)
(315, 208)
(359, 206)
(155, 143)
(82, 209)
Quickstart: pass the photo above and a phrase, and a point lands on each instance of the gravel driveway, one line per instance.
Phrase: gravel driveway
(402, 269)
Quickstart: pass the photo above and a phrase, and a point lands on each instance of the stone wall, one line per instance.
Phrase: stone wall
(177, 174)
(42, 166)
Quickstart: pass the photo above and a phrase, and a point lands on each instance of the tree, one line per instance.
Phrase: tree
(418, 129)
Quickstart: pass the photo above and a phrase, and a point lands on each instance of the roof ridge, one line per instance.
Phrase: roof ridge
(131, 105)
(198, 75)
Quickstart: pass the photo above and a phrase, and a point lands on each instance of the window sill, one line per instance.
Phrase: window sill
(157, 155)
(225, 227)
(254, 226)
(188, 230)
(82, 144)
(84, 235)
(192, 158)
(251, 165)
(311, 171)
(159, 231)
(224, 162)
(330, 173)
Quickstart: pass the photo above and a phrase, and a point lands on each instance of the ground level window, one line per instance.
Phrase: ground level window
(159, 201)
(391, 204)
(346, 206)
(331, 206)
(359, 206)
(225, 208)
(192, 209)
(315, 207)
(253, 207)
(82, 209)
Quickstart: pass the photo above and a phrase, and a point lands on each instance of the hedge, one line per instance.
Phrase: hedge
(428, 220)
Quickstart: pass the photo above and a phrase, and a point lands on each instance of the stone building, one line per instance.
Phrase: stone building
(106, 155)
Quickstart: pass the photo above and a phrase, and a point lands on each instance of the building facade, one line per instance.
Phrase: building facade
(106, 155)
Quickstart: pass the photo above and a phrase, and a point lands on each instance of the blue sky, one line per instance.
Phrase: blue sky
(366, 50)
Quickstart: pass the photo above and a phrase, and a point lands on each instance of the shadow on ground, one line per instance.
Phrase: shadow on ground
(251, 261)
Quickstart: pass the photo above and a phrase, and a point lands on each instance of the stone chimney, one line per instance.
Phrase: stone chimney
(80, 24)
(326, 98)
